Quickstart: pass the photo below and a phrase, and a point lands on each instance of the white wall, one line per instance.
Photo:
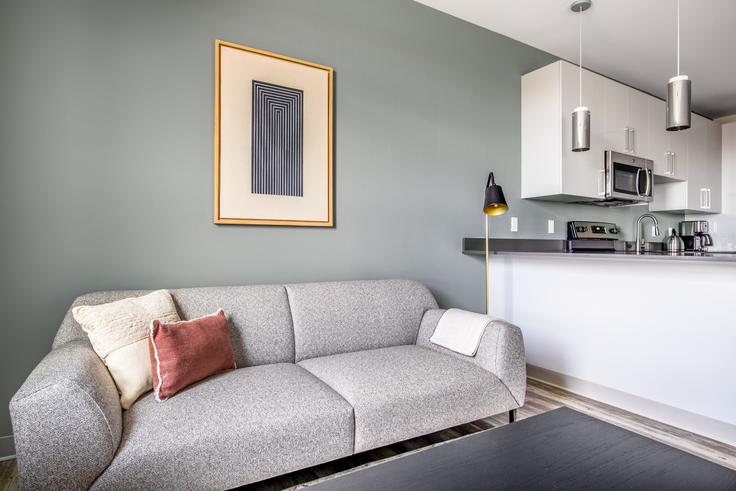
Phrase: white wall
(657, 330)
(723, 225)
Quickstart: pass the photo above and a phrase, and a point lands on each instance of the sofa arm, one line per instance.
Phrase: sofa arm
(67, 420)
(501, 351)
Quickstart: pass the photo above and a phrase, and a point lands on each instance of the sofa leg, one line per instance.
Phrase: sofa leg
(512, 415)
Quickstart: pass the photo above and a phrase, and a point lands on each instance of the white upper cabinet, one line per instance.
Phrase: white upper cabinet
(550, 169)
(686, 163)
(701, 192)
(658, 138)
(638, 123)
(668, 149)
(704, 158)
(582, 175)
(714, 153)
(616, 116)
(678, 147)
(626, 115)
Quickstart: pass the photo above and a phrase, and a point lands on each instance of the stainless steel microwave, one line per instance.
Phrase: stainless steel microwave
(629, 179)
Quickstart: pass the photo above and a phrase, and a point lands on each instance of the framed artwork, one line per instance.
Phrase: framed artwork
(273, 139)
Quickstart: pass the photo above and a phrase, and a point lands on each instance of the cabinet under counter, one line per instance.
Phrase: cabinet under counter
(649, 336)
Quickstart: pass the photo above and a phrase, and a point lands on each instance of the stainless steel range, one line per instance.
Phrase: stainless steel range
(592, 236)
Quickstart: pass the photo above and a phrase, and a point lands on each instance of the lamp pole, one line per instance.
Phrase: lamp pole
(493, 204)
(488, 263)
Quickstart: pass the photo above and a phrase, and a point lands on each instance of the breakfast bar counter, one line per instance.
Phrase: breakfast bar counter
(652, 333)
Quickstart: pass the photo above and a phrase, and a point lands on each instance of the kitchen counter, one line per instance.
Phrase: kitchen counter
(558, 248)
(653, 334)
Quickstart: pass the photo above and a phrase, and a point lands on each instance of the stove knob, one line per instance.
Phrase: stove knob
(613, 230)
(581, 228)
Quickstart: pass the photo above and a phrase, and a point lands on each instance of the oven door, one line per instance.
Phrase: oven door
(628, 178)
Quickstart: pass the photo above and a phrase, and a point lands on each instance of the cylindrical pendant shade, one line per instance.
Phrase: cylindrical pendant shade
(580, 129)
(678, 103)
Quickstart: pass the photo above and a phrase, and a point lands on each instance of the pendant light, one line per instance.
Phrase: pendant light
(678, 93)
(581, 114)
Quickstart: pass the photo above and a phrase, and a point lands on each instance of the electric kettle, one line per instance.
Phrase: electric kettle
(673, 243)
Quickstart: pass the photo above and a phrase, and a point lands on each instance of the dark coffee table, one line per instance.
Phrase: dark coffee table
(560, 449)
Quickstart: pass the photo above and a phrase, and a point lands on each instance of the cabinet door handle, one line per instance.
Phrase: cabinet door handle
(632, 145)
(674, 163)
(708, 194)
(703, 198)
(626, 140)
(668, 160)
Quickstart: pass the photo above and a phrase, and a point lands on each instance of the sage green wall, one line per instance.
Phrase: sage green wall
(106, 151)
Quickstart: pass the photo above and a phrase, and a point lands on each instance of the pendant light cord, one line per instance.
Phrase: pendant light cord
(580, 53)
(678, 38)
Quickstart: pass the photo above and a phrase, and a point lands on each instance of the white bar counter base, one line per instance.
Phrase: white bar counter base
(654, 337)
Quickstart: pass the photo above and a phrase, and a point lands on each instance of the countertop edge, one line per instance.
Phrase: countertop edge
(554, 248)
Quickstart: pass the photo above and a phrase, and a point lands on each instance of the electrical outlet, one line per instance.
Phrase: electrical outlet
(550, 226)
(714, 227)
(514, 224)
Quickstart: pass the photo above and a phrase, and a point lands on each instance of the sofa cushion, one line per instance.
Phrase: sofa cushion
(401, 392)
(260, 320)
(346, 316)
(234, 428)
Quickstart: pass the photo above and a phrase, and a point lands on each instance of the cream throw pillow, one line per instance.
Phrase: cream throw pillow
(119, 335)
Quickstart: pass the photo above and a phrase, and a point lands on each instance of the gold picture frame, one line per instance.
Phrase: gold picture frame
(222, 216)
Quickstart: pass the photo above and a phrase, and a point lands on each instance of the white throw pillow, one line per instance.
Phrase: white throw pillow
(119, 335)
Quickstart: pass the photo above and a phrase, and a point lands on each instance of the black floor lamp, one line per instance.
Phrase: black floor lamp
(494, 204)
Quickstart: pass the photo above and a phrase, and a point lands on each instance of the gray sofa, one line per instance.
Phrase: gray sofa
(329, 370)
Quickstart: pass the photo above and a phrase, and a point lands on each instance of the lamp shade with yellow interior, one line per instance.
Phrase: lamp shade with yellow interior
(495, 202)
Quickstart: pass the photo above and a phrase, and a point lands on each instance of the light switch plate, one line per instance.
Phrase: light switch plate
(514, 224)
(550, 226)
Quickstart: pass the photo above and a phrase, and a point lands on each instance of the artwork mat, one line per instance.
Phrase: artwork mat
(239, 69)
(220, 167)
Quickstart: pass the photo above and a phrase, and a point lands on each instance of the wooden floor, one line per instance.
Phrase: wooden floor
(540, 398)
(8, 475)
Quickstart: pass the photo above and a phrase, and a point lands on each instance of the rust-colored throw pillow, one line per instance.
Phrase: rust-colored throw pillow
(188, 351)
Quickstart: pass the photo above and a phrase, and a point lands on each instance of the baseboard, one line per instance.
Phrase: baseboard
(7, 447)
(680, 418)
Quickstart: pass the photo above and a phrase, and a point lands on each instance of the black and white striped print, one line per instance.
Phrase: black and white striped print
(277, 159)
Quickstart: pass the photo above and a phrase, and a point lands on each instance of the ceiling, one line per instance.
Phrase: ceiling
(632, 41)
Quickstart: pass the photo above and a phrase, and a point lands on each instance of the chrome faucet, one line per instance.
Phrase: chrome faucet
(639, 233)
